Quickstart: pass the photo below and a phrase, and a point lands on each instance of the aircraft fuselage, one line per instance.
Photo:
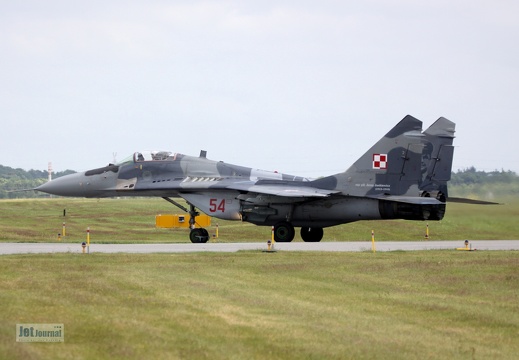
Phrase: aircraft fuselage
(403, 176)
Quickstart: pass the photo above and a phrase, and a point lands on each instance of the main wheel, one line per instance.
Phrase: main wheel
(199, 236)
(284, 232)
(312, 234)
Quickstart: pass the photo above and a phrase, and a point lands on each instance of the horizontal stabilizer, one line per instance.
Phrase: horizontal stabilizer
(409, 199)
(471, 201)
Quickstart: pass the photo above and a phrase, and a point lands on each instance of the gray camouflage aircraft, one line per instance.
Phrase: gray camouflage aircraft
(403, 176)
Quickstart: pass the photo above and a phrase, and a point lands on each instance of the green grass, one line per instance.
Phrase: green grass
(252, 305)
(133, 220)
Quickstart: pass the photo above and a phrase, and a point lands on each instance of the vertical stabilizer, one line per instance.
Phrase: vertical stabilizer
(390, 167)
(437, 158)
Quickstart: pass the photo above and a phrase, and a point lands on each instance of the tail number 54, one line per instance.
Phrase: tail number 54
(216, 205)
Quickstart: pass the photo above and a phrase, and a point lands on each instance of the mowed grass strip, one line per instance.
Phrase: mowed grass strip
(254, 305)
(133, 221)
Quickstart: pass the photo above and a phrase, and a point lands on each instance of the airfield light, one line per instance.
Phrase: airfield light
(83, 245)
(88, 239)
(468, 247)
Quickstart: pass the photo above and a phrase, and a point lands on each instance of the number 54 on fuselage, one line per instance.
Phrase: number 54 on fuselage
(403, 176)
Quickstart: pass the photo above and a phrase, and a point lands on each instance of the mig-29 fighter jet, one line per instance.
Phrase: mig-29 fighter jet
(403, 176)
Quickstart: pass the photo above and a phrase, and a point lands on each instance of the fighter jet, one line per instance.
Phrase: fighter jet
(403, 176)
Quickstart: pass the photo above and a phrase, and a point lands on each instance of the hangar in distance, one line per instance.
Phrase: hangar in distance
(403, 176)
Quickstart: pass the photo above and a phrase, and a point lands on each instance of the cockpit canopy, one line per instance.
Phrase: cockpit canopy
(152, 156)
(141, 156)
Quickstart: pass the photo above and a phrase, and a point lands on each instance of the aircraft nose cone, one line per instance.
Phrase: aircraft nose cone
(69, 185)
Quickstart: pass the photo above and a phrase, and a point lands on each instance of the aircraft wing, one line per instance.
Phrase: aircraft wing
(281, 189)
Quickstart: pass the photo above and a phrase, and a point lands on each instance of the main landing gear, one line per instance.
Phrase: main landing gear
(197, 235)
(312, 234)
(284, 232)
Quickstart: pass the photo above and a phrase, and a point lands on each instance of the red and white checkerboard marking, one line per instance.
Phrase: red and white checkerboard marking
(380, 161)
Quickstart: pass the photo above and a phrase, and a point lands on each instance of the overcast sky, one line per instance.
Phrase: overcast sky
(302, 87)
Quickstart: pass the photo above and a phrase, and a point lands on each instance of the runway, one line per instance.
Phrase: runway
(47, 248)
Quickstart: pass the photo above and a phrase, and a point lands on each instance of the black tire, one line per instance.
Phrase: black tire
(312, 234)
(205, 235)
(284, 232)
(198, 236)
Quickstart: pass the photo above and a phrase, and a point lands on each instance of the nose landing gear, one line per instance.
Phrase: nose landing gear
(197, 235)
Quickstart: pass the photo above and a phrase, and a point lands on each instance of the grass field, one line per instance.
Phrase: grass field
(252, 305)
(133, 220)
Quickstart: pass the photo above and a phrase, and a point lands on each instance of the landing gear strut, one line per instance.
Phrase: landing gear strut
(197, 235)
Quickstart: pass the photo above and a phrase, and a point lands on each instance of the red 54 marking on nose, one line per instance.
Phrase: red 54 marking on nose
(216, 205)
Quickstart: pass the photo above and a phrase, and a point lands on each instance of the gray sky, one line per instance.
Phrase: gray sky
(302, 87)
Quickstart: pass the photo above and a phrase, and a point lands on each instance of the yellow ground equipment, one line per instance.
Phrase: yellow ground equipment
(181, 221)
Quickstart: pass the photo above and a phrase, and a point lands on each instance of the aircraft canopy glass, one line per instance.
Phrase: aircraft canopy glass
(141, 156)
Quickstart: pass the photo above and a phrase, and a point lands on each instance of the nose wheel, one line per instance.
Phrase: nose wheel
(197, 235)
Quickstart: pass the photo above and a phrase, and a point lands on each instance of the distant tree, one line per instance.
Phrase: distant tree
(14, 180)
(471, 176)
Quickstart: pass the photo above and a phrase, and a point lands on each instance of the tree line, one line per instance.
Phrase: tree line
(472, 176)
(14, 180)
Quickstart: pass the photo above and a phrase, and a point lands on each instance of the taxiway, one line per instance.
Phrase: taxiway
(43, 248)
